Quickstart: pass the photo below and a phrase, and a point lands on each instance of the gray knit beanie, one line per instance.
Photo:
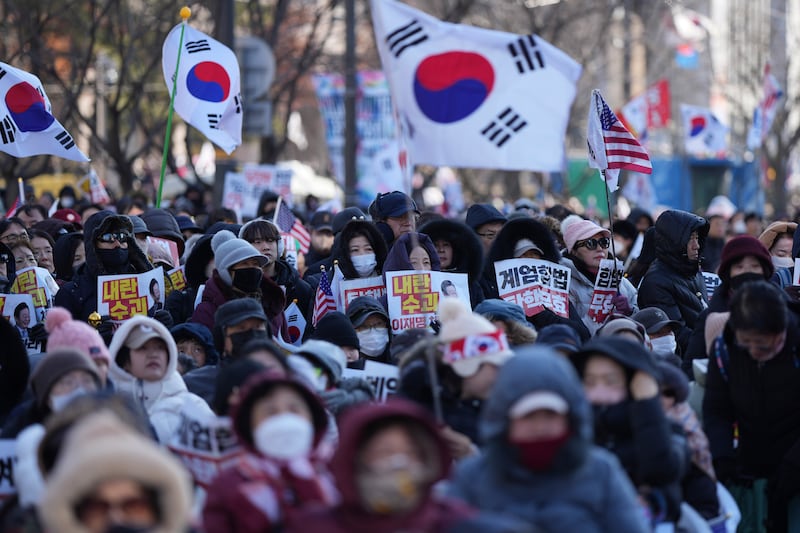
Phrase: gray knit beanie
(228, 250)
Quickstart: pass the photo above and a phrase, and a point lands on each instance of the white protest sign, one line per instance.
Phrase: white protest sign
(206, 444)
(383, 378)
(606, 285)
(796, 274)
(123, 296)
(8, 460)
(534, 284)
(413, 296)
(242, 190)
(712, 281)
(20, 311)
(39, 283)
(351, 289)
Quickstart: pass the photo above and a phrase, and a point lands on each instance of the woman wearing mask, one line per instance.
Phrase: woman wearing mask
(412, 251)
(359, 250)
(281, 423)
(778, 238)
(371, 322)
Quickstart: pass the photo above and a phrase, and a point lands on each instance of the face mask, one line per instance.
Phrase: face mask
(364, 264)
(737, 281)
(539, 455)
(59, 401)
(239, 340)
(782, 262)
(373, 342)
(739, 227)
(114, 258)
(284, 436)
(67, 202)
(392, 487)
(247, 280)
(665, 344)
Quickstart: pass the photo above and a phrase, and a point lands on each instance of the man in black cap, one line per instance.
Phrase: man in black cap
(321, 226)
(395, 213)
(486, 221)
(660, 329)
(235, 324)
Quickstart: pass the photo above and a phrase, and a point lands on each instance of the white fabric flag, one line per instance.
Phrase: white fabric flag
(207, 94)
(472, 97)
(27, 126)
(703, 133)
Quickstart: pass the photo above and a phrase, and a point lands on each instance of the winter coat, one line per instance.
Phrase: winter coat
(217, 293)
(163, 400)
(581, 289)
(434, 514)
(341, 251)
(79, 295)
(673, 283)
(180, 304)
(358, 307)
(467, 252)
(294, 287)
(503, 248)
(584, 490)
(14, 369)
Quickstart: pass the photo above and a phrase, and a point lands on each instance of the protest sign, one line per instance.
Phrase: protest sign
(39, 283)
(383, 378)
(8, 460)
(125, 295)
(205, 444)
(606, 286)
(351, 289)
(534, 284)
(413, 296)
(712, 281)
(177, 277)
(796, 274)
(242, 190)
(20, 311)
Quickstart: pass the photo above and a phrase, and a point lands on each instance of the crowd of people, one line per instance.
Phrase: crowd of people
(676, 409)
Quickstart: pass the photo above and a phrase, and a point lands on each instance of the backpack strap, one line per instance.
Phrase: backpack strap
(720, 351)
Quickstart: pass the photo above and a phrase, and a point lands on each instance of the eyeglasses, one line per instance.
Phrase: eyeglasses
(133, 506)
(119, 236)
(14, 238)
(488, 235)
(591, 244)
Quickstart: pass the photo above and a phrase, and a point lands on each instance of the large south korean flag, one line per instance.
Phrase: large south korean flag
(472, 97)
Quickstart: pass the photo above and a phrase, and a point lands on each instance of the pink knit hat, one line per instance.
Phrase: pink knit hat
(67, 333)
(577, 229)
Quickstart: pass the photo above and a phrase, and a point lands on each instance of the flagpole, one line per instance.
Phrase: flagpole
(610, 222)
(277, 210)
(21, 191)
(185, 14)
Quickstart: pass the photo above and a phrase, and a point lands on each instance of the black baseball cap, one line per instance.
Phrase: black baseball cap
(322, 220)
(654, 319)
(394, 204)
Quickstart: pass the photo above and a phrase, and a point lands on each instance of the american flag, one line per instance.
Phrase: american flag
(611, 145)
(324, 300)
(288, 223)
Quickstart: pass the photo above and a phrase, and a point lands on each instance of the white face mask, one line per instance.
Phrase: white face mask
(59, 401)
(284, 436)
(364, 264)
(782, 262)
(373, 341)
(665, 344)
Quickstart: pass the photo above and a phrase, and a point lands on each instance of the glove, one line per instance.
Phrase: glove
(106, 329)
(622, 305)
(164, 316)
(38, 333)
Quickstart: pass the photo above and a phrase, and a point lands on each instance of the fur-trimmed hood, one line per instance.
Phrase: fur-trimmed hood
(398, 256)
(341, 252)
(101, 222)
(467, 249)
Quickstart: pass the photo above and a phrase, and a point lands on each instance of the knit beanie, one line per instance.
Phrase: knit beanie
(67, 333)
(56, 364)
(739, 247)
(337, 329)
(480, 214)
(327, 355)
(778, 227)
(673, 380)
(496, 309)
(469, 339)
(229, 250)
(575, 228)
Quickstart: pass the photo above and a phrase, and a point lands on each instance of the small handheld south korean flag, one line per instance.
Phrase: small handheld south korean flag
(295, 323)
(27, 126)
(207, 91)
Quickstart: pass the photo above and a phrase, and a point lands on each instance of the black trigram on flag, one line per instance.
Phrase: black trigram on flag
(525, 54)
(8, 130)
(501, 129)
(213, 120)
(197, 46)
(3, 72)
(65, 139)
(237, 100)
(406, 36)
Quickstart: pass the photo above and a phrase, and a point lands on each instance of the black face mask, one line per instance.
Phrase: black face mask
(113, 259)
(611, 422)
(737, 281)
(247, 280)
(238, 340)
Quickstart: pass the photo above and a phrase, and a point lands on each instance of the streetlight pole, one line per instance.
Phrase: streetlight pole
(350, 91)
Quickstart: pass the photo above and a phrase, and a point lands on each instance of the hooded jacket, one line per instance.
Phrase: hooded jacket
(163, 400)
(63, 253)
(398, 256)
(503, 248)
(202, 335)
(295, 288)
(467, 252)
(366, 306)
(584, 490)
(673, 283)
(79, 295)
(434, 513)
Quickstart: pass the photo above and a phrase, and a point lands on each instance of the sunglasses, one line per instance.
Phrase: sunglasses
(591, 244)
(120, 236)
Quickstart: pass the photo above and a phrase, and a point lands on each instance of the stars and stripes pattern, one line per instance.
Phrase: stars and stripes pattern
(324, 301)
(290, 224)
(621, 148)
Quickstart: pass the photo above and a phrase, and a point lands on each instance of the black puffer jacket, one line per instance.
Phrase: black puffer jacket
(79, 296)
(341, 251)
(467, 252)
(503, 248)
(296, 289)
(673, 283)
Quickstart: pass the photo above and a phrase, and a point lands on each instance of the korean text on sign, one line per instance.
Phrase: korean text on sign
(534, 285)
(606, 285)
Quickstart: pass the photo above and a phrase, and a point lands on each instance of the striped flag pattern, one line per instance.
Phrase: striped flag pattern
(324, 300)
(288, 223)
(621, 149)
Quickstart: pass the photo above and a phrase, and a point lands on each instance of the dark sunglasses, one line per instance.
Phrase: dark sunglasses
(591, 244)
(120, 236)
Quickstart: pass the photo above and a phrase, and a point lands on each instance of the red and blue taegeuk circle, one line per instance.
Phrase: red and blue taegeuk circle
(27, 108)
(209, 81)
(696, 125)
(449, 87)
